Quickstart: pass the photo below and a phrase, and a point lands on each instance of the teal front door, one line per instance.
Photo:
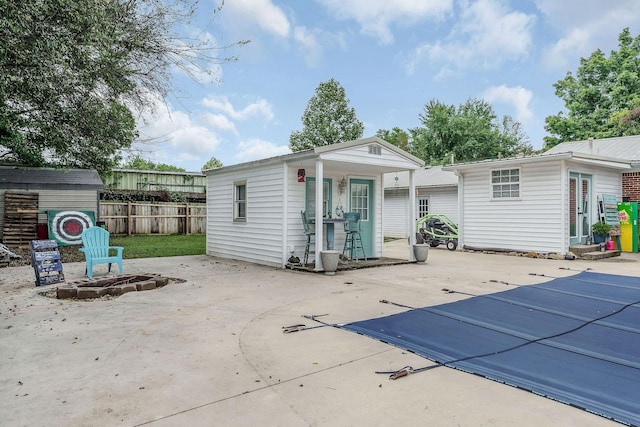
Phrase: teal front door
(361, 201)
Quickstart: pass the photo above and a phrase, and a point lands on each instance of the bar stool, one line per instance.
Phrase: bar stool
(309, 232)
(353, 241)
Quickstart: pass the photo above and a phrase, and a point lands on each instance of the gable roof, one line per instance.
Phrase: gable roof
(328, 152)
(23, 178)
(625, 148)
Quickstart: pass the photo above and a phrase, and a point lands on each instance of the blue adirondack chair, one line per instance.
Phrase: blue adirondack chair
(95, 241)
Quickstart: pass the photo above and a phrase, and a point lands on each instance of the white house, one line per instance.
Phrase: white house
(436, 193)
(543, 203)
(253, 209)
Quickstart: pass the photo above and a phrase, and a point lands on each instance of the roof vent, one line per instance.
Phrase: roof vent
(375, 149)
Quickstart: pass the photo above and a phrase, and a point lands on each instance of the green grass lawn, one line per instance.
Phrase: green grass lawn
(160, 246)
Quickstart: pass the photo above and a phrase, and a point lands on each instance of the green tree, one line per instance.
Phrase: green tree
(395, 136)
(467, 133)
(602, 98)
(140, 163)
(328, 119)
(212, 163)
(73, 73)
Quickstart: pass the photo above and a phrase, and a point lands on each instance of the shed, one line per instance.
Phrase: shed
(436, 193)
(254, 209)
(45, 189)
(543, 203)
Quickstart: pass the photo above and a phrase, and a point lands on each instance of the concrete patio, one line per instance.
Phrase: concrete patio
(209, 349)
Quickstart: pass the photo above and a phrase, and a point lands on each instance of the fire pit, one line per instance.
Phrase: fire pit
(113, 286)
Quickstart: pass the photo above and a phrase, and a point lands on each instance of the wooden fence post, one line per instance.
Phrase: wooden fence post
(187, 228)
(128, 218)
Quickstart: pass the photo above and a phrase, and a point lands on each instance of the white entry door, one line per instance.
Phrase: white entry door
(579, 208)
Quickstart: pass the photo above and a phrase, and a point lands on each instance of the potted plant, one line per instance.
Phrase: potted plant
(600, 232)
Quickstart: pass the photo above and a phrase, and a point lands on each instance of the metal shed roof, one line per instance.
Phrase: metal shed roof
(625, 148)
(22, 178)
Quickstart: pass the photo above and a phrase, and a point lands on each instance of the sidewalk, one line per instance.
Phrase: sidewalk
(210, 350)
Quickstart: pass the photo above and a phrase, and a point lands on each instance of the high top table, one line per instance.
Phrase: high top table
(329, 222)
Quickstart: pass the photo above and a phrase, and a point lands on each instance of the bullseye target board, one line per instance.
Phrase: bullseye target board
(65, 227)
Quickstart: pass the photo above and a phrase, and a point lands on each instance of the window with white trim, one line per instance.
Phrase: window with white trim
(423, 206)
(240, 201)
(505, 183)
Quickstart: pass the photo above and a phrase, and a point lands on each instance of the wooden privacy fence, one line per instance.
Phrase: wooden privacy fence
(153, 218)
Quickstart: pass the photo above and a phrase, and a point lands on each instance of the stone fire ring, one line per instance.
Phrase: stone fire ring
(114, 286)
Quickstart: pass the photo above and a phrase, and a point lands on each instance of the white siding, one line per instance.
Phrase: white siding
(531, 223)
(604, 181)
(266, 237)
(442, 200)
(538, 220)
(259, 239)
(396, 203)
(360, 154)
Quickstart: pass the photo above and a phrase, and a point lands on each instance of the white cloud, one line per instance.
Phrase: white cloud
(584, 26)
(262, 13)
(376, 16)
(220, 122)
(519, 97)
(309, 46)
(256, 149)
(172, 137)
(486, 35)
(261, 107)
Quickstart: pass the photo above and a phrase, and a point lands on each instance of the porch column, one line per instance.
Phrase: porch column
(412, 213)
(319, 213)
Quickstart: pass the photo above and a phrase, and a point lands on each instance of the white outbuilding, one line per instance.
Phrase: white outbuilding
(254, 208)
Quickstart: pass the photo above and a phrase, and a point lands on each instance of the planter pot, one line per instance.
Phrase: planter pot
(330, 261)
(600, 238)
(421, 252)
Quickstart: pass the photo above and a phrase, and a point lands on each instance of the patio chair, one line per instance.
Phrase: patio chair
(95, 241)
(309, 232)
(353, 241)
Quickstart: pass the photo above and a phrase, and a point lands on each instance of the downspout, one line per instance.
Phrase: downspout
(319, 213)
(564, 215)
(412, 213)
(285, 212)
(380, 220)
(460, 208)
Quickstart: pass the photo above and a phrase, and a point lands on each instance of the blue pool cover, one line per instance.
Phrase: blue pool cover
(574, 339)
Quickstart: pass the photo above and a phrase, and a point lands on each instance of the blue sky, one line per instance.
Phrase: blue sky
(391, 56)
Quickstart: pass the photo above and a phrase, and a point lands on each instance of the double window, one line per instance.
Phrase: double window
(505, 183)
(240, 201)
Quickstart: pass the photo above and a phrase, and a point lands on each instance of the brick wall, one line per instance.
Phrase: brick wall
(631, 186)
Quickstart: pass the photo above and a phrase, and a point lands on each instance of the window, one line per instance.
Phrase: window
(505, 183)
(310, 202)
(360, 200)
(423, 207)
(240, 201)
